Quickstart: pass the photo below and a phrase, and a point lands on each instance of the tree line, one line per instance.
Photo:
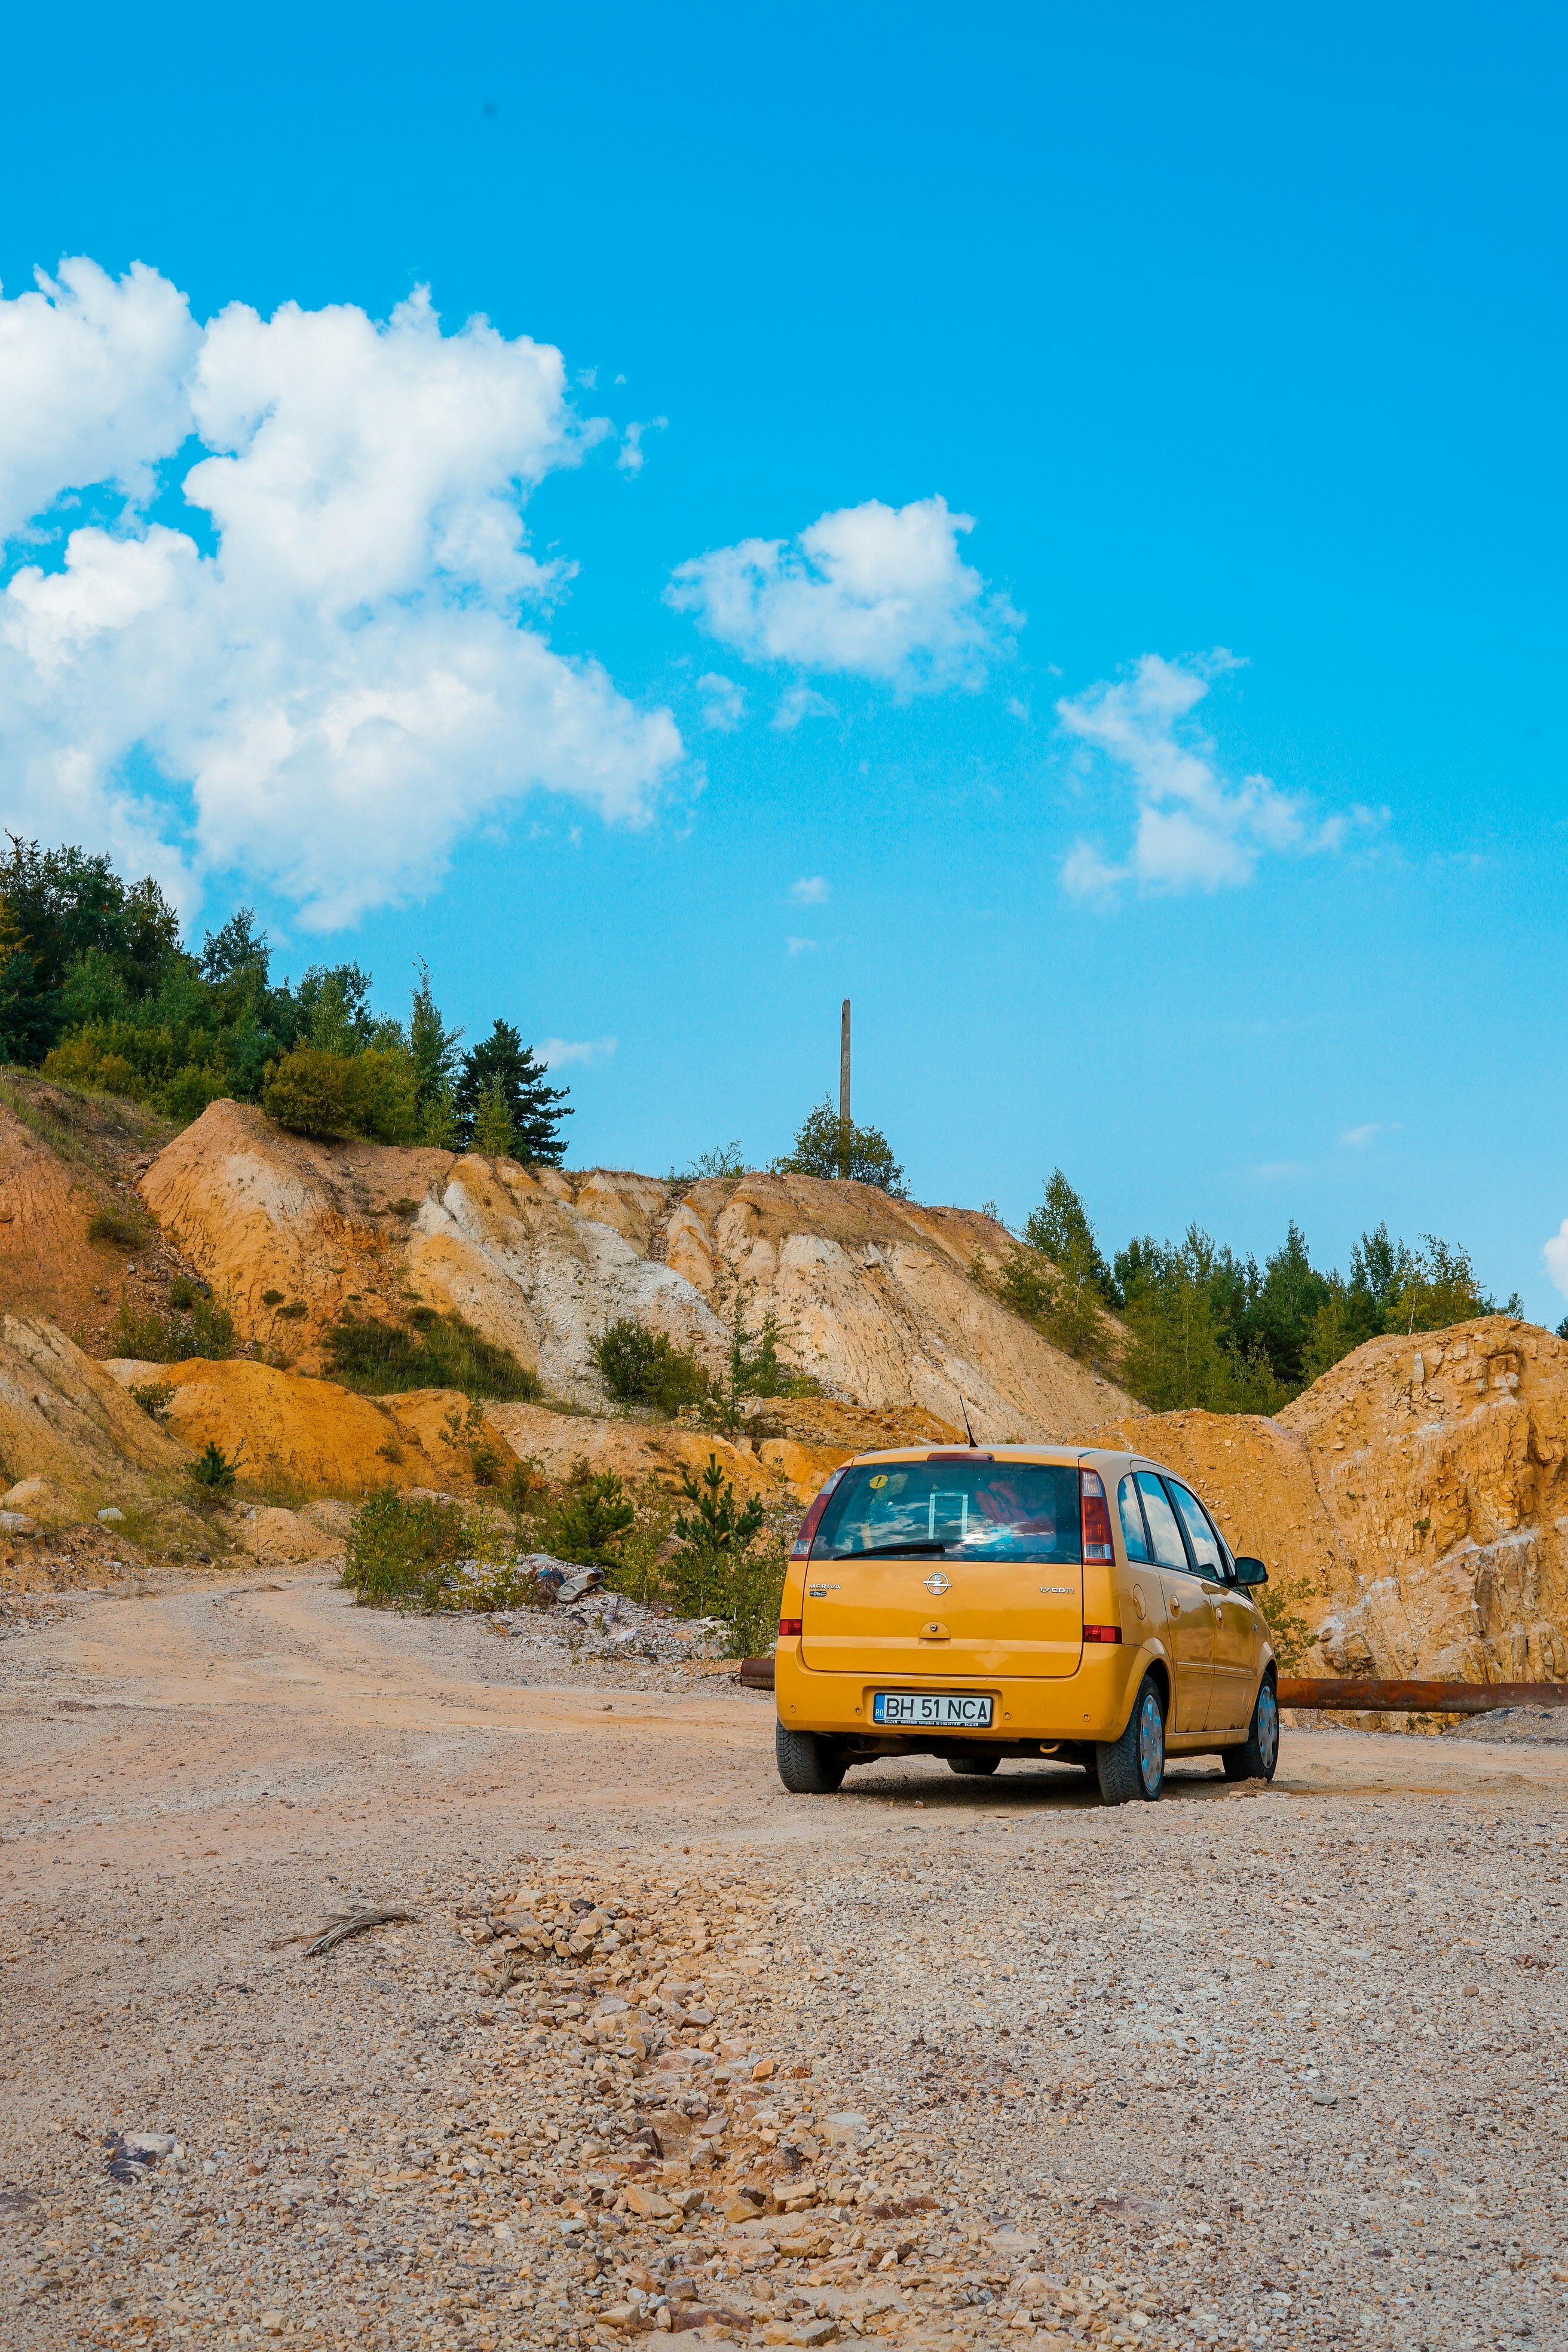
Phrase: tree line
(1196, 1323)
(99, 991)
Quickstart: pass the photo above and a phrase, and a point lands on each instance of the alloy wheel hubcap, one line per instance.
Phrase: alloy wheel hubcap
(1151, 1743)
(1267, 1723)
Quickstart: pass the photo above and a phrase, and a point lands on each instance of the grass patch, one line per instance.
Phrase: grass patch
(429, 1351)
(117, 1226)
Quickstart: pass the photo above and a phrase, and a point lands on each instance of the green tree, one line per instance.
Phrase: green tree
(494, 1134)
(533, 1106)
(833, 1148)
(1291, 1295)
(1059, 1229)
(432, 1047)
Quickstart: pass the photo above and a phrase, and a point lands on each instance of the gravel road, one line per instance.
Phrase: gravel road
(935, 2061)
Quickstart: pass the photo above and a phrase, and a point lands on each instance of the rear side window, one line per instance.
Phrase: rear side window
(968, 1510)
(1169, 1549)
(1132, 1535)
(1205, 1550)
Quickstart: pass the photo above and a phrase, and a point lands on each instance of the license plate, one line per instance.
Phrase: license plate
(933, 1710)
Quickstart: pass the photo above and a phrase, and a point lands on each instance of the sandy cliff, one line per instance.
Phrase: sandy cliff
(1419, 1488)
(872, 1294)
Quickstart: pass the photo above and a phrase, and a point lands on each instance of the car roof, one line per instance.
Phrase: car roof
(1045, 1452)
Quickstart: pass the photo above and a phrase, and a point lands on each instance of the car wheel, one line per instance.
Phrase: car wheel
(1257, 1759)
(1135, 1765)
(808, 1766)
(979, 1767)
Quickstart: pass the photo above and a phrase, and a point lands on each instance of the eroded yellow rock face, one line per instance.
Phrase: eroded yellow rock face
(1419, 1488)
(308, 1434)
(873, 1295)
(70, 1436)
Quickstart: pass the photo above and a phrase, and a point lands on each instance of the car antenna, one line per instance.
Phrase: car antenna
(968, 1430)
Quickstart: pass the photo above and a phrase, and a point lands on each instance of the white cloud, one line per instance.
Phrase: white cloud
(1194, 828)
(346, 684)
(556, 1052)
(811, 890)
(872, 591)
(801, 701)
(724, 702)
(801, 947)
(632, 455)
(94, 372)
(1357, 1136)
(1555, 1253)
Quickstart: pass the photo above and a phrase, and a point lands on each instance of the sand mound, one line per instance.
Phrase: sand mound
(286, 1430)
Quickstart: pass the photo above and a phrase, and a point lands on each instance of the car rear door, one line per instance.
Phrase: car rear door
(1189, 1622)
(1237, 1634)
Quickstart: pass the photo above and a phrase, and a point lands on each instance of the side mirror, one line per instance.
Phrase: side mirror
(1250, 1571)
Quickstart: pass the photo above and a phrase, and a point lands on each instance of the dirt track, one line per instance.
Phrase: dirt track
(1278, 2067)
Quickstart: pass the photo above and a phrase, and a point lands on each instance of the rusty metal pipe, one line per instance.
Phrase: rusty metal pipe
(1367, 1696)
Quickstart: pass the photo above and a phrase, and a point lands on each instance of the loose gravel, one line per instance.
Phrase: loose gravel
(664, 2051)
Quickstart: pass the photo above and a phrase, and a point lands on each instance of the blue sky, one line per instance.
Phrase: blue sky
(1196, 823)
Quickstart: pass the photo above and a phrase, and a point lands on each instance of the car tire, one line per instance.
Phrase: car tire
(1135, 1765)
(1257, 1759)
(975, 1768)
(808, 1766)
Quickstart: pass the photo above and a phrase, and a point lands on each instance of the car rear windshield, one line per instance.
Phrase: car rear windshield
(969, 1510)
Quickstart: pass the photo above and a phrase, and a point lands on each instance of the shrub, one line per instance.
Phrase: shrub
(154, 1397)
(1290, 1629)
(150, 1064)
(712, 1540)
(207, 1330)
(430, 1351)
(592, 1521)
(494, 1136)
(428, 1555)
(212, 1474)
(314, 1091)
(643, 1366)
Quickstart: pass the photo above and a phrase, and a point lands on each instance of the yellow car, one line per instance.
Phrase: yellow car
(1050, 1602)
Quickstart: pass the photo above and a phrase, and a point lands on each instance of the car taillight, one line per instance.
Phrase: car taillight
(801, 1548)
(789, 1629)
(1096, 1517)
(1102, 1632)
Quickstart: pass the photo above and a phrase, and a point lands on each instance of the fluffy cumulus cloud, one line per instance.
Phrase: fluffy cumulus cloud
(871, 591)
(558, 1053)
(351, 668)
(1193, 827)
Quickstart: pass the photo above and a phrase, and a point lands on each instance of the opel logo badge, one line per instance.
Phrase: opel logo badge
(938, 1583)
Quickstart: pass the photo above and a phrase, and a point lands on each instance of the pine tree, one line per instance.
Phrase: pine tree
(434, 1048)
(530, 1100)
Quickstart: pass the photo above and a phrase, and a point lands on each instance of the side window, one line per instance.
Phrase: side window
(1206, 1550)
(1132, 1534)
(1169, 1549)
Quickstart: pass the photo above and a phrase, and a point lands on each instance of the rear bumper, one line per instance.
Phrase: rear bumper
(1091, 1705)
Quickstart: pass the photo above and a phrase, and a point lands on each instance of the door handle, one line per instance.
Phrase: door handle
(1175, 1608)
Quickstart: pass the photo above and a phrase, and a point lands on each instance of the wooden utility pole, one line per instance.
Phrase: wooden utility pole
(845, 1125)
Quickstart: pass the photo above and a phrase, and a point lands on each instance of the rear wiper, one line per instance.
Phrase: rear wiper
(876, 1551)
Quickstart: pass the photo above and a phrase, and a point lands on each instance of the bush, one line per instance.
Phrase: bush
(154, 1397)
(207, 1331)
(312, 1091)
(428, 1554)
(643, 1366)
(151, 1065)
(430, 1351)
(211, 1473)
(593, 1520)
(1290, 1629)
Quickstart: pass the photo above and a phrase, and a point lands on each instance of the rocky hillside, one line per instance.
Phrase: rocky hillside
(872, 1294)
(1418, 1490)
